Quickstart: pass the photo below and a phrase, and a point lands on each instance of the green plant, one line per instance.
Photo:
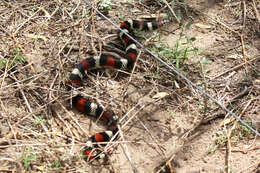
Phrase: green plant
(39, 120)
(56, 164)
(3, 63)
(220, 139)
(105, 5)
(27, 157)
(211, 148)
(242, 131)
(183, 5)
(180, 52)
(13, 61)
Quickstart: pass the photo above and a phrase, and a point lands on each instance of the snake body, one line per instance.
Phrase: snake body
(89, 108)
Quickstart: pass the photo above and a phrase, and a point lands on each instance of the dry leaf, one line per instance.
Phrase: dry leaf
(176, 84)
(160, 95)
(203, 26)
(40, 168)
(226, 121)
(47, 14)
(36, 36)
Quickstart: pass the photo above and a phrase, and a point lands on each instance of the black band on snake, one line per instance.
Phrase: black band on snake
(83, 105)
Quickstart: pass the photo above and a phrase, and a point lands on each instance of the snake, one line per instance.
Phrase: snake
(87, 107)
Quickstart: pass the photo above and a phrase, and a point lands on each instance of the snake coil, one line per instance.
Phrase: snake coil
(75, 79)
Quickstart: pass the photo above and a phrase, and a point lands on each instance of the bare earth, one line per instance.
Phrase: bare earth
(166, 126)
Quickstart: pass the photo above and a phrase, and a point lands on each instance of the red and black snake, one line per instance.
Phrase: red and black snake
(84, 105)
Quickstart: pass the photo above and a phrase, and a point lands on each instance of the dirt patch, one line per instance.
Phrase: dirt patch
(165, 124)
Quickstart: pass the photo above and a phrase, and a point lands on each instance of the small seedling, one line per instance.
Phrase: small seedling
(14, 60)
(28, 156)
(220, 139)
(105, 6)
(180, 52)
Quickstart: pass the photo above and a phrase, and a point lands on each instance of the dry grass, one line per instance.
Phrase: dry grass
(41, 41)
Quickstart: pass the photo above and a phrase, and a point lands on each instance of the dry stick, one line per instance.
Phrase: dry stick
(173, 13)
(256, 11)
(36, 134)
(18, 170)
(26, 21)
(130, 78)
(73, 118)
(113, 49)
(14, 132)
(244, 21)
(240, 35)
(112, 54)
(5, 73)
(17, 70)
(154, 139)
(68, 129)
(243, 48)
(229, 147)
(5, 141)
(28, 104)
(125, 149)
(58, 54)
(130, 119)
(67, 27)
(93, 32)
(74, 9)
(18, 82)
(34, 112)
(205, 99)
(138, 57)
(255, 164)
(81, 41)
(244, 151)
(236, 67)
(51, 86)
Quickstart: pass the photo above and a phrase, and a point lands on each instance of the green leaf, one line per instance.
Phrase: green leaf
(192, 38)
(189, 25)
(205, 61)
(3, 63)
(173, 4)
(179, 15)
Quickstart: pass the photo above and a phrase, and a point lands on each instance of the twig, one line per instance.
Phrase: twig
(243, 49)
(73, 118)
(137, 58)
(153, 138)
(244, 16)
(235, 68)
(254, 164)
(34, 112)
(256, 11)
(125, 149)
(244, 151)
(66, 27)
(4, 143)
(27, 103)
(229, 148)
(239, 34)
(51, 86)
(173, 13)
(26, 21)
